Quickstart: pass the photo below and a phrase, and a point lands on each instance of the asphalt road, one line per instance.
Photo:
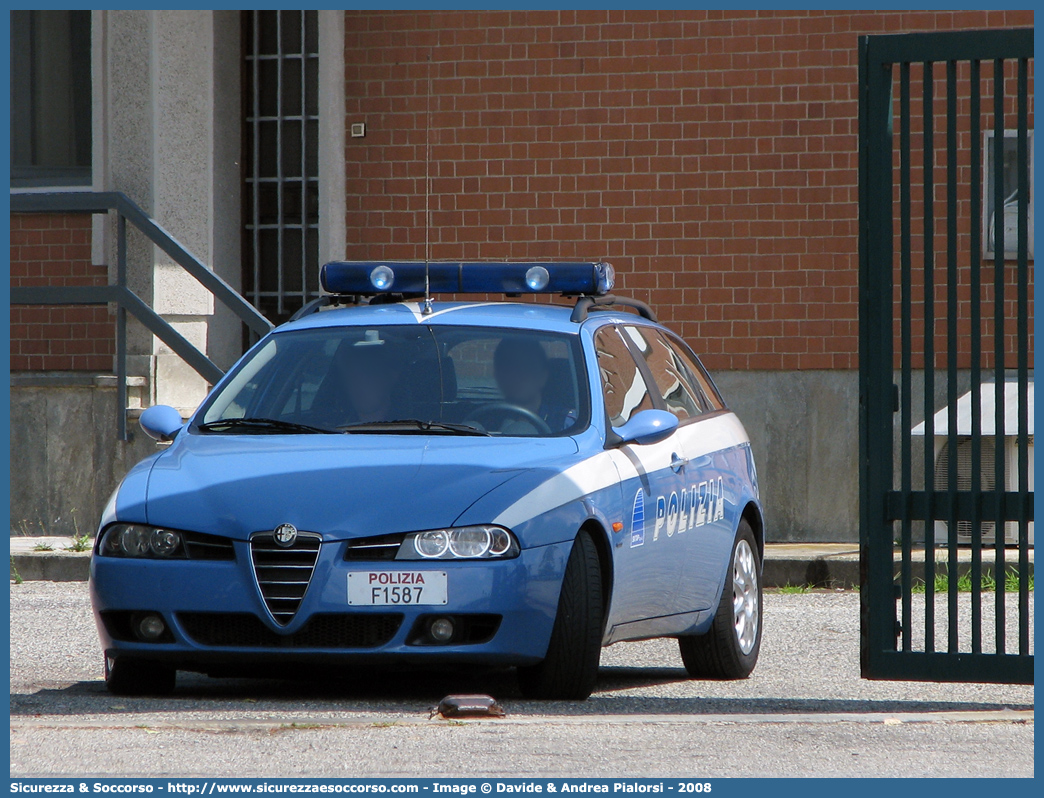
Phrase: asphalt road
(804, 712)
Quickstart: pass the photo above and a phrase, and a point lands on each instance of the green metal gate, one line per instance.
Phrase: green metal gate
(945, 356)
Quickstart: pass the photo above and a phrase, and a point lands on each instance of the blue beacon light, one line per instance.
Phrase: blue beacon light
(410, 278)
(382, 278)
(537, 278)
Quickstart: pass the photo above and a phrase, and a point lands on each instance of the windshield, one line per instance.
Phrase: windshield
(403, 380)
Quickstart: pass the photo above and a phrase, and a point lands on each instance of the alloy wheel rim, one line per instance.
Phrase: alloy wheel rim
(745, 605)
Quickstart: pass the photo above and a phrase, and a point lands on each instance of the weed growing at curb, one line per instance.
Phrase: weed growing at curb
(964, 583)
(17, 577)
(1011, 582)
(80, 543)
(792, 589)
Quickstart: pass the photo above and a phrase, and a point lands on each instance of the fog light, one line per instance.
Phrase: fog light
(441, 630)
(151, 627)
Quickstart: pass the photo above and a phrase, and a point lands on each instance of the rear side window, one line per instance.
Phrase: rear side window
(696, 375)
(623, 387)
(668, 372)
(680, 379)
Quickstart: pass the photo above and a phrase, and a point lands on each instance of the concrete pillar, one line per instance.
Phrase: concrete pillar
(332, 124)
(171, 141)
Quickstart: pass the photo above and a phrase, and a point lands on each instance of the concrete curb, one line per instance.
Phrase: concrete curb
(836, 565)
(50, 566)
(820, 572)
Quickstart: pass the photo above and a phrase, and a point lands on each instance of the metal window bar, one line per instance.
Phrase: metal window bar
(118, 293)
(999, 566)
(952, 143)
(291, 269)
(906, 397)
(975, 228)
(928, 268)
(1022, 325)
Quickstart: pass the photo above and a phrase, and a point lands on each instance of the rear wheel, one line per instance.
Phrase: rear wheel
(138, 677)
(570, 668)
(729, 650)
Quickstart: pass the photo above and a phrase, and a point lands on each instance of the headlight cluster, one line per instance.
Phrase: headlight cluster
(460, 543)
(138, 540)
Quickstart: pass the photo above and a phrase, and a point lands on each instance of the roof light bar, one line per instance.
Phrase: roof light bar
(370, 278)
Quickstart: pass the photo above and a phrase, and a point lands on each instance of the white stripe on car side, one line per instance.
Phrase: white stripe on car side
(610, 467)
(588, 476)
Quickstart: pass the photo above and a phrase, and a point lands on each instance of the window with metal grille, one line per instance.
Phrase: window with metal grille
(281, 160)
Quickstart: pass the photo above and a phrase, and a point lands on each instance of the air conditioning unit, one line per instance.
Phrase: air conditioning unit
(987, 461)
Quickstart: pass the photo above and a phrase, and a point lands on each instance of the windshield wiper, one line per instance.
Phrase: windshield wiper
(261, 425)
(410, 425)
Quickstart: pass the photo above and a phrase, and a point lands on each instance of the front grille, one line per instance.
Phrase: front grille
(200, 546)
(243, 630)
(381, 547)
(283, 574)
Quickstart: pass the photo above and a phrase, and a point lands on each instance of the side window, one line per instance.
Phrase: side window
(623, 386)
(670, 373)
(697, 376)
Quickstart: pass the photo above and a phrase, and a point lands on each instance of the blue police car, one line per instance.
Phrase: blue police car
(391, 480)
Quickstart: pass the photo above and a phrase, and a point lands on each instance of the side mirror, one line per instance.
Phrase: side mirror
(161, 422)
(648, 426)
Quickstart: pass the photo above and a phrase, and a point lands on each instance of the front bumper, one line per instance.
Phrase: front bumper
(218, 621)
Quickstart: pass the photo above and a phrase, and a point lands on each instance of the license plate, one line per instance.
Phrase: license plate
(396, 588)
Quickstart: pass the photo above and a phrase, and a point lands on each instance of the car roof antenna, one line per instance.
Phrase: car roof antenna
(426, 309)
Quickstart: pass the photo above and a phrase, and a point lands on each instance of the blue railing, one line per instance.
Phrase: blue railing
(118, 293)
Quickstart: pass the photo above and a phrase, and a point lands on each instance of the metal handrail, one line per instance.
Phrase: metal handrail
(118, 293)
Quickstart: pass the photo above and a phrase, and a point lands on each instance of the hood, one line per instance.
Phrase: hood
(340, 486)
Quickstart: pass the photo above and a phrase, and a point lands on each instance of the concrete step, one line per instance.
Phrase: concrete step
(33, 564)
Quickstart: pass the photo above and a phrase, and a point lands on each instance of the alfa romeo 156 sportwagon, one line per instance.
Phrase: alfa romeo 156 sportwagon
(388, 479)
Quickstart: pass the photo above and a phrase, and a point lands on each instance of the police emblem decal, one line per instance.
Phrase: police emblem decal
(638, 520)
(285, 535)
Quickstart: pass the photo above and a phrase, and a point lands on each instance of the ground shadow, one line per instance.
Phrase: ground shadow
(414, 692)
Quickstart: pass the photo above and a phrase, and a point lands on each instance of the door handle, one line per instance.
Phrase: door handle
(678, 463)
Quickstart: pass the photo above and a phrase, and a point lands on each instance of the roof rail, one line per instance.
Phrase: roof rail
(312, 307)
(339, 300)
(588, 303)
(583, 306)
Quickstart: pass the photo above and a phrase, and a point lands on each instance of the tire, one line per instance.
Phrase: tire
(570, 668)
(135, 677)
(729, 649)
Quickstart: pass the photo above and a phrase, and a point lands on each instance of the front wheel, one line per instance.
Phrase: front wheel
(571, 666)
(729, 649)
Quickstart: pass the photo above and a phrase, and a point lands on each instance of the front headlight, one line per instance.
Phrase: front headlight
(138, 540)
(459, 543)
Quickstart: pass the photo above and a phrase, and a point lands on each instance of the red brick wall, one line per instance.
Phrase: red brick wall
(55, 249)
(711, 156)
